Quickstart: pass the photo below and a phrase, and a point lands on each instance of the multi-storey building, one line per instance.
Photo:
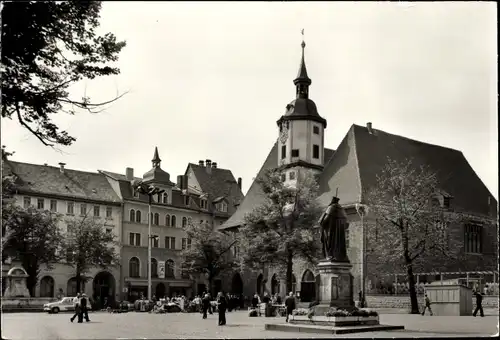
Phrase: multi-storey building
(351, 169)
(204, 194)
(74, 195)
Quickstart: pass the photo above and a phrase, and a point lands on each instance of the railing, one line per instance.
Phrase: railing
(488, 288)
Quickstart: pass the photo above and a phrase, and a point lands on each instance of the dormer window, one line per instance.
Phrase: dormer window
(186, 200)
(222, 206)
(164, 198)
(136, 193)
(316, 130)
(292, 175)
(203, 204)
(295, 153)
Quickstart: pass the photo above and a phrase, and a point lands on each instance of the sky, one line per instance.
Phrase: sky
(209, 80)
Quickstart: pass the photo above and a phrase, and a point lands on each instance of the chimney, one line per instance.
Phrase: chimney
(179, 182)
(214, 165)
(129, 173)
(208, 162)
(369, 127)
(239, 182)
(61, 165)
(201, 163)
(184, 182)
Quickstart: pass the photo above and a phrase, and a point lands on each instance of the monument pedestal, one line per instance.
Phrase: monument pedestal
(335, 288)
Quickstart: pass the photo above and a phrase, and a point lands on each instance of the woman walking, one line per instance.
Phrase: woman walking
(222, 305)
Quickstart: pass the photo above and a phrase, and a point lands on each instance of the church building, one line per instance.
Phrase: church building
(351, 168)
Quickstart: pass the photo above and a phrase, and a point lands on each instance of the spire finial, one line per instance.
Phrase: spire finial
(156, 158)
(303, 42)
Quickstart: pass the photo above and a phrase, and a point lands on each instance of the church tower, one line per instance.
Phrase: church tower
(301, 131)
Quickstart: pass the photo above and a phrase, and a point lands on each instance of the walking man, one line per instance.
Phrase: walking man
(84, 304)
(76, 304)
(205, 302)
(479, 304)
(222, 305)
(427, 305)
(290, 305)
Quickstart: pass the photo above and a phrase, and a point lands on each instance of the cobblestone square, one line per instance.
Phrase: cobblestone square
(191, 326)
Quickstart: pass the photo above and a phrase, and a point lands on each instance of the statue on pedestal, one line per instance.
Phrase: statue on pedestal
(333, 224)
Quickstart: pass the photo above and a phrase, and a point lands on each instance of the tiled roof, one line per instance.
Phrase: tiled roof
(255, 195)
(353, 167)
(116, 176)
(49, 180)
(218, 183)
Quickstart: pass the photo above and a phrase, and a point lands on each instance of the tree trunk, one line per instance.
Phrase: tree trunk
(413, 291)
(289, 272)
(78, 281)
(210, 286)
(31, 266)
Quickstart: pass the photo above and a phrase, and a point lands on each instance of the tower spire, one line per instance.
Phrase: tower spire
(156, 159)
(302, 81)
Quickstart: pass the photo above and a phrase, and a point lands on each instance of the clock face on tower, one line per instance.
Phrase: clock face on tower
(284, 135)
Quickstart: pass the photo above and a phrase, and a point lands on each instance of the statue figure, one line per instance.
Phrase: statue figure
(333, 224)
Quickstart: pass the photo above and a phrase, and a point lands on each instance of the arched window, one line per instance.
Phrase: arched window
(173, 221)
(184, 222)
(165, 198)
(134, 267)
(132, 215)
(157, 219)
(169, 272)
(154, 268)
(47, 287)
(167, 220)
(138, 216)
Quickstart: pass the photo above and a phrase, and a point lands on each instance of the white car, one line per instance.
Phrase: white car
(64, 305)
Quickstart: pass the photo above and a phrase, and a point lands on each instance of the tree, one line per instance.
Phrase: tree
(283, 227)
(32, 237)
(412, 229)
(207, 252)
(46, 47)
(88, 245)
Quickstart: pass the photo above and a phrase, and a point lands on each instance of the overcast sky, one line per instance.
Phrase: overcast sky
(209, 80)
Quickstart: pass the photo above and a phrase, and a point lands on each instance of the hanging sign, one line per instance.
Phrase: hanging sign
(161, 269)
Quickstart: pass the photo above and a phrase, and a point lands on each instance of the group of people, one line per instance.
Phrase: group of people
(82, 305)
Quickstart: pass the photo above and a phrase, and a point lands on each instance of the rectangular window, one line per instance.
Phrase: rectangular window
(203, 204)
(71, 208)
(155, 241)
(295, 153)
(53, 205)
(40, 203)
(283, 177)
(97, 210)
(109, 211)
(27, 202)
(109, 230)
(135, 239)
(473, 239)
(186, 200)
(292, 175)
(172, 243)
(283, 151)
(316, 130)
(189, 243)
(446, 202)
(165, 198)
(184, 243)
(83, 209)
(316, 151)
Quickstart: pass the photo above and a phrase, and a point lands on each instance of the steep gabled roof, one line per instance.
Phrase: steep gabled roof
(49, 180)
(218, 182)
(255, 196)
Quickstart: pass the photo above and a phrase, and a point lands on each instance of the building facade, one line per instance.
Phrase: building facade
(349, 172)
(204, 194)
(76, 195)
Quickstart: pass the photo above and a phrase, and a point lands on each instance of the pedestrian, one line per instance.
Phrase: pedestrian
(278, 299)
(76, 304)
(427, 305)
(210, 307)
(479, 304)
(289, 304)
(205, 302)
(221, 306)
(255, 301)
(84, 311)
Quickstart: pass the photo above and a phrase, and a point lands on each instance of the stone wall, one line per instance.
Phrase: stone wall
(403, 301)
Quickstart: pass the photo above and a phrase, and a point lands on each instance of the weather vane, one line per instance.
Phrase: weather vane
(303, 42)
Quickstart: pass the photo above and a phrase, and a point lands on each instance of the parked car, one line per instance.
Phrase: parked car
(63, 305)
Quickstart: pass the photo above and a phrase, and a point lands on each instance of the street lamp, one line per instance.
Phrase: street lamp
(150, 191)
(362, 211)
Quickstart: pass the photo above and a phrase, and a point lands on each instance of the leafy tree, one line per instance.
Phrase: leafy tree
(32, 237)
(412, 228)
(46, 47)
(89, 245)
(207, 254)
(282, 229)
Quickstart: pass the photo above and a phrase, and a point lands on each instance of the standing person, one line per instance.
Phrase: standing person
(479, 304)
(222, 305)
(427, 305)
(278, 299)
(84, 311)
(205, 302)
(76, 304)
(210, 311)
(290, 305)
(255, 301)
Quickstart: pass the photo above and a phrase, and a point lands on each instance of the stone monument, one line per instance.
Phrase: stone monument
(16, 283)
(335, 269)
